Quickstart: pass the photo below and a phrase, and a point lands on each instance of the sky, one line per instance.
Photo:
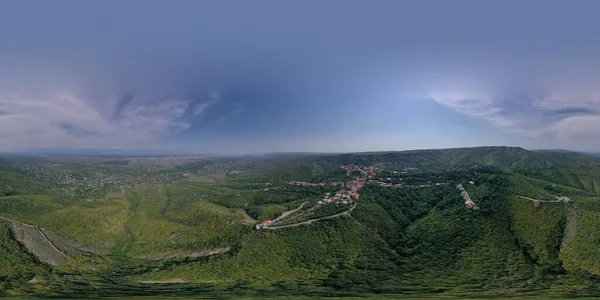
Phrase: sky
(277, 76)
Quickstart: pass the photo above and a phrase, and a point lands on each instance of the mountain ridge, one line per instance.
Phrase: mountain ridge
(410, 231)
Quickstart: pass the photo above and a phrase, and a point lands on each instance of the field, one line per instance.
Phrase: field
(391, 224)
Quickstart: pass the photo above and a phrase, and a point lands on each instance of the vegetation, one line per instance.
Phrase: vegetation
(15, 263)
(195, 234)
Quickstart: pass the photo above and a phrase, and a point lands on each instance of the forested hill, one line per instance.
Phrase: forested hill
(567, 168)
(505, 157)
(481, 221)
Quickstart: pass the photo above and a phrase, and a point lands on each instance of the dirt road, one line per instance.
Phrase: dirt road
(289, 212)
(344, 213)
(537, 200)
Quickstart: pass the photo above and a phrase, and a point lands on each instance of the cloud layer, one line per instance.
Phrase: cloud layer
(66, 120)
(564, 117)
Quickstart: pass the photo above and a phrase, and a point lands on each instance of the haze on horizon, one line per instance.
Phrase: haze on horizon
(269, 76)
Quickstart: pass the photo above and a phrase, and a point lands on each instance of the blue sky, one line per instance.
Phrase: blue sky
(265, 76)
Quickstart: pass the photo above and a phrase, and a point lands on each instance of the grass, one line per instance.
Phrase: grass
(410, 242)
(583, 249)
(87, 225)
(163, 221)
(591, 204)
(15, 262)
(539, 230)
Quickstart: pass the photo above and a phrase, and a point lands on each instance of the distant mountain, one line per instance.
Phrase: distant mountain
(507, 157)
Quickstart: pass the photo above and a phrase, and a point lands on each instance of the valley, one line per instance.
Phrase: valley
(491, 221)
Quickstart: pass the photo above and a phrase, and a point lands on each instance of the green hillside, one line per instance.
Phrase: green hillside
(189, 229)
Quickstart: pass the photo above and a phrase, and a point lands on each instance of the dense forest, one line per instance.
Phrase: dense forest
(197, 235)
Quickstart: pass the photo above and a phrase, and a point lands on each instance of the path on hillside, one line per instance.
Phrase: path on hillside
(15, 221)
(537, 200)
(184, 255)
(571, 208)
(346, 213)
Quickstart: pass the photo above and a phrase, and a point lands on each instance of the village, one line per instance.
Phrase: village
(73, 183)
(348, 194)
(468, 202)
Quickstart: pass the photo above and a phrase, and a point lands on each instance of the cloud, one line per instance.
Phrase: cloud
(68, 120)
(562, 117)
(578, 127)
(203, 106)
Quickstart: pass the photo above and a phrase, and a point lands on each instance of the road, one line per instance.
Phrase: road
(289, 212)
(536, 200)
(346, 213)
(572, 207)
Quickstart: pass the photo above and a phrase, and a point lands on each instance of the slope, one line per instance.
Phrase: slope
(192, 235)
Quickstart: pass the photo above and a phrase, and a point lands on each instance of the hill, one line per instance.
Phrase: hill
(484, 221)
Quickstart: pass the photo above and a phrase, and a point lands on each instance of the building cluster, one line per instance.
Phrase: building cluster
(386, 182)
(365, 172)
(73, 183)
(262, 224)
(302, 183)
(348, 193)
(468, 202)
(226, 167)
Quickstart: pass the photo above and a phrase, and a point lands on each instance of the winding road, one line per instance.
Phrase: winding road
(289, 212)
(537, 200)
(344, 213)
